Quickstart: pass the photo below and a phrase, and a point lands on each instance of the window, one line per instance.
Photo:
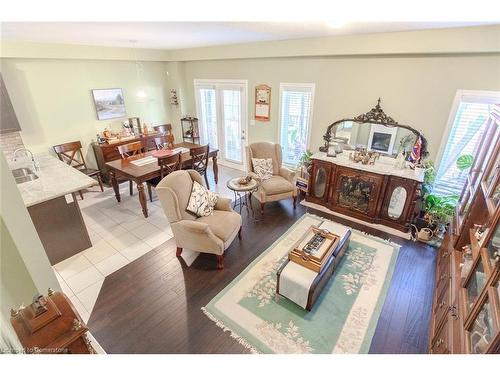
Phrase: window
(469, 119)
(296, 101)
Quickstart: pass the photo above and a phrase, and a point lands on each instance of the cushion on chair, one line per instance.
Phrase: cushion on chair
(276, 185)
(201, 201)
(222, 223)
(263, 168)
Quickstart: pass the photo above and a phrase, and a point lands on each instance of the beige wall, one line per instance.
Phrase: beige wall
(53, 100)
(418, 91)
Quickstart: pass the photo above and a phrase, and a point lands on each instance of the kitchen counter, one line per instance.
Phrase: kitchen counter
(384, 165)
(55, 179)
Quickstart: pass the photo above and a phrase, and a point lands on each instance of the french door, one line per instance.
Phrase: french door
(221, 108)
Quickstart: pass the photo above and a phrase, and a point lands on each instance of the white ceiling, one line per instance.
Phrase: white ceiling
(176, 35)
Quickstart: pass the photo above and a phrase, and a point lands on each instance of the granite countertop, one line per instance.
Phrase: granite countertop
(55, 179)
(384, 165)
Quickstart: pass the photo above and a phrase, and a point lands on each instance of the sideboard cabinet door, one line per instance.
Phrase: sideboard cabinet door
(319, 182)
(399, 201)
(356, 191)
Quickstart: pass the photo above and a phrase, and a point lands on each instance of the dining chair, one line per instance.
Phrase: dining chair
(199, 160)
(71, 154)
(131, 149)
(163, 129)
(163, 140)
(168, 164)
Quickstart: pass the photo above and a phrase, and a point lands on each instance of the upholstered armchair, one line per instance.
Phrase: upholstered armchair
(281, 184)
(207, 234)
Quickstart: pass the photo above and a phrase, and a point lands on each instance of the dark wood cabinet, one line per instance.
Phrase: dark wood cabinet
(8, 118)
(372, 197)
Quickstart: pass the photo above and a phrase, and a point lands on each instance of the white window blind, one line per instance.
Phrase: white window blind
(468, 127)
(295, 122)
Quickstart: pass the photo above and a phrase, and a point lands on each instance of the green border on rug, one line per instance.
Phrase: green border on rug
(254, 345)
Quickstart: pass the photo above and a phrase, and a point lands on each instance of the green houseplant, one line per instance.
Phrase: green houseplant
(305, 159)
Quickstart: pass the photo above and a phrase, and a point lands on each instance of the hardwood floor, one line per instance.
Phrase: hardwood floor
(153, 305)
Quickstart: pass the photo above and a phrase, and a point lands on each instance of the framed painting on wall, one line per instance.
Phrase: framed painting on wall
(109, 103)
(262, 102)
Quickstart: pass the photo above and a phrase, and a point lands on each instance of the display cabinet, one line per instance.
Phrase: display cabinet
(190, 130)
(466, 310)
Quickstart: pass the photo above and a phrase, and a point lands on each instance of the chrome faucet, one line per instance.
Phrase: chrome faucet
(26, 151)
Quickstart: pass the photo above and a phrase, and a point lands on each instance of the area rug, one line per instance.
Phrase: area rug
(342, 320)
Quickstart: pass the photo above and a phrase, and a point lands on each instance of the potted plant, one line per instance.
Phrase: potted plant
(305, 160)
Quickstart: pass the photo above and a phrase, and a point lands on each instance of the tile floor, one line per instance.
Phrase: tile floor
(119, 234)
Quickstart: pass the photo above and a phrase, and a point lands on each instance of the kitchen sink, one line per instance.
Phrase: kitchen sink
(23, 175)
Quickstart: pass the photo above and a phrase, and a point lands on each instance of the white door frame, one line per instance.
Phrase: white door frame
(217, 84)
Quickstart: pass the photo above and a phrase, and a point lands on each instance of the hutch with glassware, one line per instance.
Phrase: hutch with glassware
(466, 307)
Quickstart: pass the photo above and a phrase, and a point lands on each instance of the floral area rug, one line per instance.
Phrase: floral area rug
(342, 320)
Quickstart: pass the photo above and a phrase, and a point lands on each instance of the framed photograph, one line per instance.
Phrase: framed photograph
(109, 103)
(262, 102)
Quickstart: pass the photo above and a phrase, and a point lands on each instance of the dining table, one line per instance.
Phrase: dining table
(143, 167)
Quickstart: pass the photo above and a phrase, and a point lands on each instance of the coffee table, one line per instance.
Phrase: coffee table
(243, 193)
(302, 285)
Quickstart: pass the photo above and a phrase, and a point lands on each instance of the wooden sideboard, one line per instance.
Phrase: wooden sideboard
(105, 152)
(373, 196)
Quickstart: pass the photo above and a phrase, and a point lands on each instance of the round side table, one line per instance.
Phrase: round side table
(242, 193)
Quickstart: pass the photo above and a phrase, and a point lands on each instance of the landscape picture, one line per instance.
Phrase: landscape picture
(109, 103)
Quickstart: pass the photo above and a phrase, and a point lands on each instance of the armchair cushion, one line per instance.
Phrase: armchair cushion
(201, 201)
(223, 204)
(276, 185)
(222, 223)
(263, 168)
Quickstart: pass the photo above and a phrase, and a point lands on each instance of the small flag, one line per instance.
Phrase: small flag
(415, 152)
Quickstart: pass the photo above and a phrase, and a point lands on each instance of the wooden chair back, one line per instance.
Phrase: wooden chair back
(167, 140)
(169, 164)
(199, 158)
(131, 149)
(71, 154)
(163, 129)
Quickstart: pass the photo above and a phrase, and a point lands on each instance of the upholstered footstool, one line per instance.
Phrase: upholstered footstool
(302, 285)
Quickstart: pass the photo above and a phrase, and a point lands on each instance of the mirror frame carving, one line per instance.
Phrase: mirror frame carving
(375, 116)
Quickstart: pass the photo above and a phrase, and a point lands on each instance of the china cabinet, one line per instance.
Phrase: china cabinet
(466, 307)
(190, 130)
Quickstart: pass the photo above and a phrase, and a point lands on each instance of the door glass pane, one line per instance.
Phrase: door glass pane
(475, 284)
(232, 125)
(208, 117)
(482, 330)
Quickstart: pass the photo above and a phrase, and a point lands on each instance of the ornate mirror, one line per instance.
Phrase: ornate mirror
(374, 131)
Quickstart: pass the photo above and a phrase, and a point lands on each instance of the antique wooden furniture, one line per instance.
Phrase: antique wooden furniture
(292, 274)
(125, 169)
(167, 164)
(207, 234)
(131, 149)
(8, 118)
(281, 184)
(51, 325)
(190, 130)
(163, 129)
(381, 193)
(105, 152)
(199, 160)
(71, 153)
(466, 308)
(163, 140)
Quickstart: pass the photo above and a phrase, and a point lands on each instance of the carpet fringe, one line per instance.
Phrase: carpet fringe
(233, 335)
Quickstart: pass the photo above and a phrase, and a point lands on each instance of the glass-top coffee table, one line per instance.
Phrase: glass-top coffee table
(243, 193)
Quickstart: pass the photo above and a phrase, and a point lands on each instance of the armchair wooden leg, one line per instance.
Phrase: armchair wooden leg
(150, 192)
(99, 179)
(220, 261)
(131, 188)
(178, 252)
(239, 234)
(262, 208)
(294, 202)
